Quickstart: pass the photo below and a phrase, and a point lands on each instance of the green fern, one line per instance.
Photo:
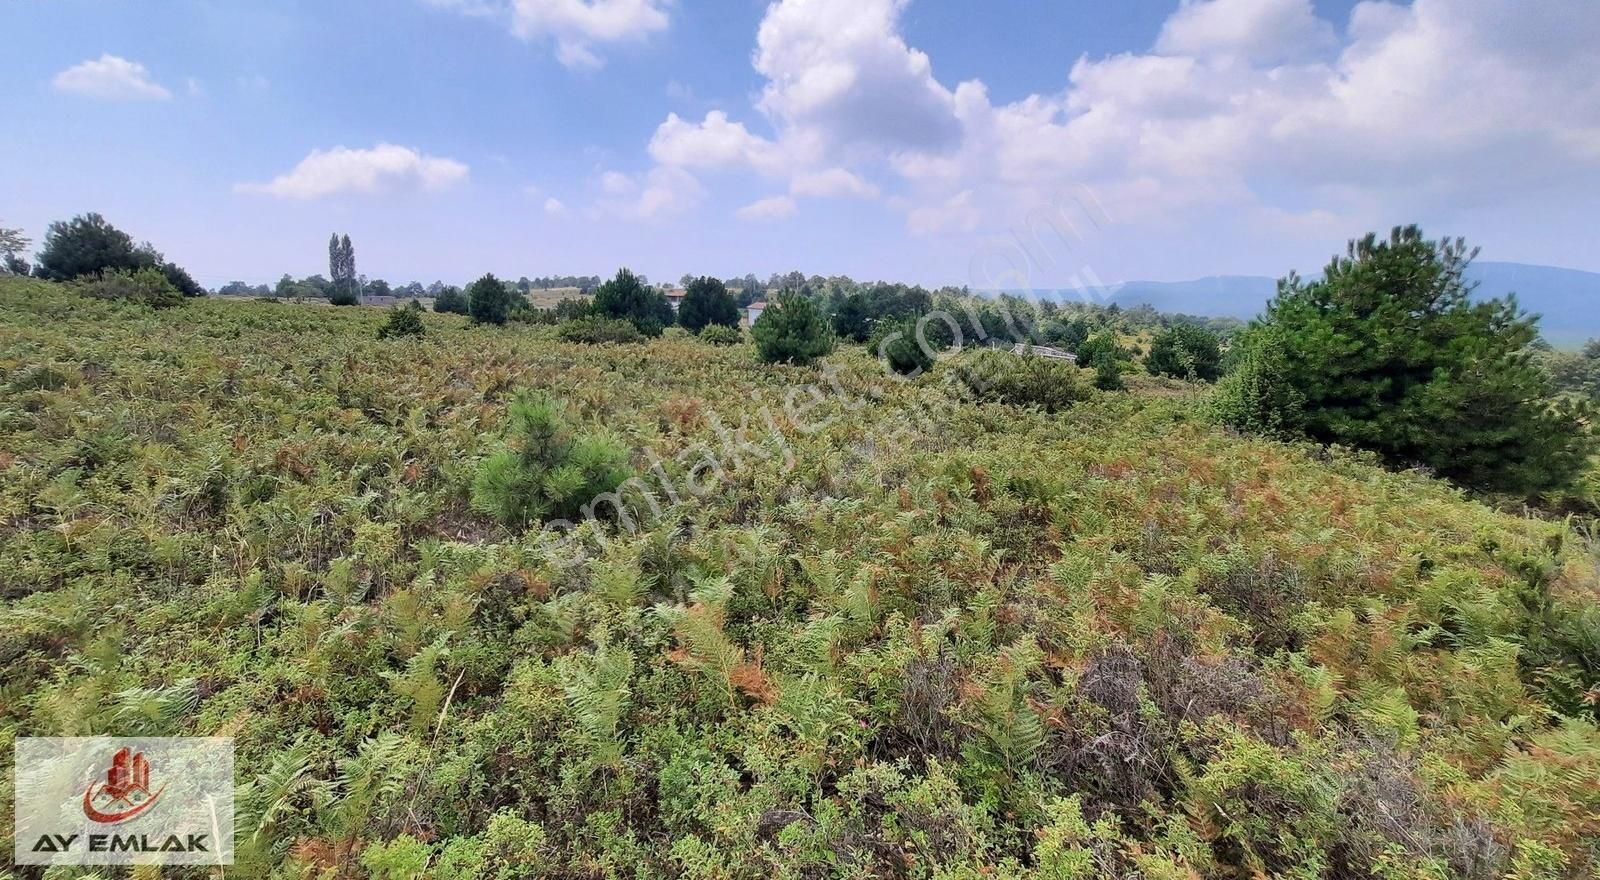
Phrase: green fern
(598, 696)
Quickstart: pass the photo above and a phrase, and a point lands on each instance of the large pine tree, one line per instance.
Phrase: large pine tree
(1392, 354)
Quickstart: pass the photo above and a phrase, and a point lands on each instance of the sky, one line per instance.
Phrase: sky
(1009, 143)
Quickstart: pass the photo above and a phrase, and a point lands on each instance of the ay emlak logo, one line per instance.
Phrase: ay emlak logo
(125, 793)
(124, 801)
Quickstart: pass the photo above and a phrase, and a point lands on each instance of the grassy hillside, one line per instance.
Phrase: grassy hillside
(882, 630)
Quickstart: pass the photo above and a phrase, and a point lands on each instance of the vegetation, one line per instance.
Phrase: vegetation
(403, 321)
(706, 302)
(87, 245)
(628, 298)
(13, 245)
(344, 289)
(792, 330)
(488, 300)
(548, 470)
(597, 330)
(146, 286)
(452, 301)
(1185, 351)
(901, 349)
(859, 312)
(718, 334)
(1257, 396)
(1391, 355)
(774, 623)
(1003, 377)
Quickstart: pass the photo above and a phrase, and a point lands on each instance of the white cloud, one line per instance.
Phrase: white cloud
(954, 213)
(833, 183)
(662, 191)
(574, 25)
(774, 208)
(713, 143)
(1263, 31)
(840, 77)
(1432, 103)
(383, 168)
(616, 183)
(111, 78)
(195, 87)
(554, 207)
(1253, 108)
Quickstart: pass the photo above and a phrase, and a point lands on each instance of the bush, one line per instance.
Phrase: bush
(1022, 380)
(147, 286)
(793, 331)
(1107, 372)
(1184, 351)
(403, 321)
(1392, 354)
(706, 303)
(488, 300)
(547, 470)
(627, 298)
(344, 295)
(451, 301)
(718, 334)
(597, 330)
(1256, 397)
(897, 345)
(181, 280)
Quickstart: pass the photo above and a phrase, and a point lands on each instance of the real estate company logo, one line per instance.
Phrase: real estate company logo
(125, 793)
(110, 801)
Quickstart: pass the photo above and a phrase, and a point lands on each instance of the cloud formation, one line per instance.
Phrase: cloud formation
(110, 78)
(1258, 107)
(774, 208)
(341, 170)
(575, 26)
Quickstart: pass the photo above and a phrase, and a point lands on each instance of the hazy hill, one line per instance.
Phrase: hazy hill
(1564, 297)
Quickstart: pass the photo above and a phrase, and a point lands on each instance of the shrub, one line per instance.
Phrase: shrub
(567, 309)
(1107, 372)
(451, 301)
(1019, 380)
(1256, 397)
(897, 345)
(547, 470)
(488, 300)
(181, 280)
(597, 330)
(718, 334)
(628, 298)
(792, 330)
(403, 321)
(706, 303)
(1392, 354)
(343, 295)
(1184, 351)
(147, 286)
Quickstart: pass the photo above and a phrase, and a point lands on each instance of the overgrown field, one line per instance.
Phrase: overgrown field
(881, 631)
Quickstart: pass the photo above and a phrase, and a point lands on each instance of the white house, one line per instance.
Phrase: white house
(753, 312)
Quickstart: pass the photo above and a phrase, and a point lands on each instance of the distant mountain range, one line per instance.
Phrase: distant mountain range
(1567, 299)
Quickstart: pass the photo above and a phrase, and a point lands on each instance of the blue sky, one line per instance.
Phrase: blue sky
(1040, 142)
